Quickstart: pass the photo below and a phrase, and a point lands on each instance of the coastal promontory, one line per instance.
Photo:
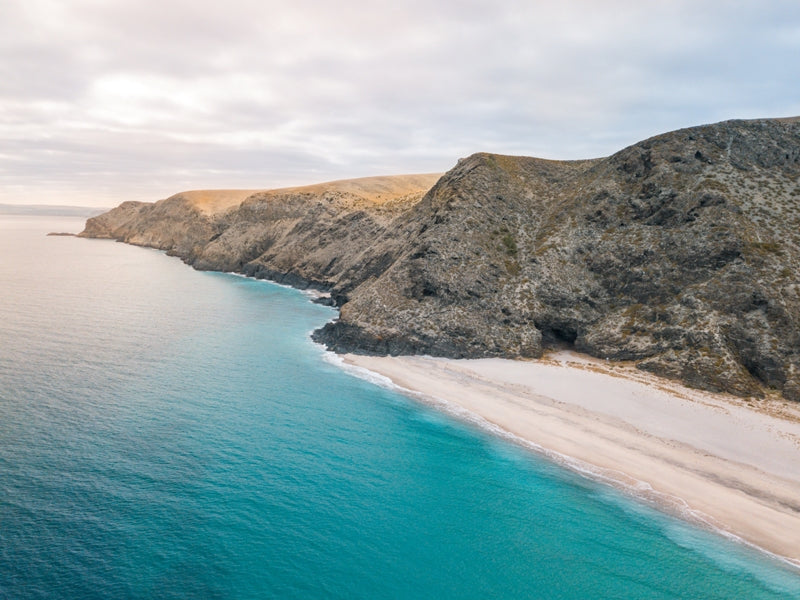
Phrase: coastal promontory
(679, 253)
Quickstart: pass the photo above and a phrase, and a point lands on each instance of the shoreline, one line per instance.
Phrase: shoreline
(718, 461)
(494, 401)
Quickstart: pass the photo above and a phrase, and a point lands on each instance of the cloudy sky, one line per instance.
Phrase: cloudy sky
(109, 100)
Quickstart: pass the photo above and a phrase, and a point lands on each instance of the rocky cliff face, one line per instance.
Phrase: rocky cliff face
(680, 253)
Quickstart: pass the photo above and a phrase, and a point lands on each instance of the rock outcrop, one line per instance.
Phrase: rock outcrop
(680, 253)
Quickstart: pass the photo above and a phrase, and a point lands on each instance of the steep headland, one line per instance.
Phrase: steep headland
(680, 253)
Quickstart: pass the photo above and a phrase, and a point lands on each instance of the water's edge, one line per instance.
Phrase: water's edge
(631, 487)
(637, 490)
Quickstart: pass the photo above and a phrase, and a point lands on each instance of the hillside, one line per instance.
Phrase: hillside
(680, 253)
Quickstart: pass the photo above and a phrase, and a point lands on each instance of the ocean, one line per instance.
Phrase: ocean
(168, 433)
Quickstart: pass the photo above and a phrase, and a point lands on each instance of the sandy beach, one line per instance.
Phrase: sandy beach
(728, 463)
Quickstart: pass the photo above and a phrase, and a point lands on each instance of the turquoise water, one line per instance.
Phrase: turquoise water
(166, 433)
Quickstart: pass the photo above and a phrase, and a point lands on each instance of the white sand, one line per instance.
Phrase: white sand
(711, 458)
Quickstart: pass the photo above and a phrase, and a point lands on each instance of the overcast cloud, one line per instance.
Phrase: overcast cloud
(109, 100)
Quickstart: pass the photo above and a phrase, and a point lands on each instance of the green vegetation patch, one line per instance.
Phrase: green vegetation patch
(510, 244)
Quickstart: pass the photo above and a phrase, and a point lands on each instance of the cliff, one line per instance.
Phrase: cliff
(680, 253)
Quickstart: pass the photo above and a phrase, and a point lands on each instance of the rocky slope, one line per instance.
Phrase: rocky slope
(680, 253)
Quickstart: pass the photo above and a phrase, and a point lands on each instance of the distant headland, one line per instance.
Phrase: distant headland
(50, 210)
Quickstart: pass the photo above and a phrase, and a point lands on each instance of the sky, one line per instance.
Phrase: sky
(103, 101)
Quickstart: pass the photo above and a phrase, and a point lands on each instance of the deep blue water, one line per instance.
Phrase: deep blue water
(166, 433)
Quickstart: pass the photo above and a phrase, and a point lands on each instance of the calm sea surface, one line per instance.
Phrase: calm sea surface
(166, 433)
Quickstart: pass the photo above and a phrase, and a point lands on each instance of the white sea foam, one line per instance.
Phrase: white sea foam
(315, 294)
(310, 291)
(362, 373)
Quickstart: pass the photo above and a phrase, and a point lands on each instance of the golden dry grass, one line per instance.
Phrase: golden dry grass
(215, 201)
(378, 190)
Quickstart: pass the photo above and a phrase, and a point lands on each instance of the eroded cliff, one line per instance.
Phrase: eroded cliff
(680, 253)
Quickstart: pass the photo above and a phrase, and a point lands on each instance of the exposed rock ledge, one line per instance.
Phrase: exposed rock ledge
(680, 253)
